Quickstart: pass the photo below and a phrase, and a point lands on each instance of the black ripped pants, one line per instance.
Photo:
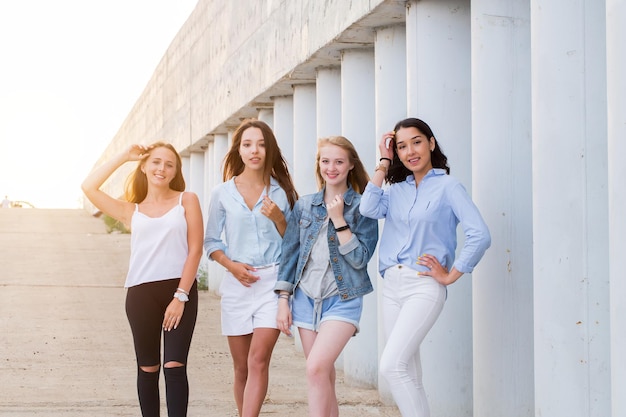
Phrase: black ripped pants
(145, 309)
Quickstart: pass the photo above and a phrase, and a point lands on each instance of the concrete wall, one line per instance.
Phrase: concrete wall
(525, 97)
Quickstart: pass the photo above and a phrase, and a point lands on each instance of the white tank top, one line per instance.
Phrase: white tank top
(158, 246)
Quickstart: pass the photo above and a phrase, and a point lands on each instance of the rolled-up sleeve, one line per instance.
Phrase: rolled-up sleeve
(215, 225)
(359, 249)
(477, 236)
(374, 202)
(290, 252)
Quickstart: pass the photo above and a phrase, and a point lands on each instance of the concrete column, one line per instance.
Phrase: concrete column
(186, 162)
(196, 174)
(358, 98)
(360, 358)
(305, 138)
(209, 176)
(439, 84)
(390, 106)
(267, 115)
(219, 150)
(502, 290)
(391, 80)
(616, 95)
(328, 102)
(283, 128)
(570, 206)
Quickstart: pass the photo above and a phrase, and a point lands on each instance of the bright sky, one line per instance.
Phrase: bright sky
(70, 71)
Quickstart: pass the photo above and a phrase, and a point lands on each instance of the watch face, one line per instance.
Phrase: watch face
(181, 296)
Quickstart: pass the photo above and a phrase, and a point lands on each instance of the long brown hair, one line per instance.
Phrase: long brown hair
(357, 177)
(275, 164)
(136, 187)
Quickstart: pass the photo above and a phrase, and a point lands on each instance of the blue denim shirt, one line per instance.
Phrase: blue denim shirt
(348, 261)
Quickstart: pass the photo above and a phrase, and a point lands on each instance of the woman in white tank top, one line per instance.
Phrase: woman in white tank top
(166, 247)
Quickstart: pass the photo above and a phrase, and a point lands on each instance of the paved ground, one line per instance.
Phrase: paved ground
(65, 344)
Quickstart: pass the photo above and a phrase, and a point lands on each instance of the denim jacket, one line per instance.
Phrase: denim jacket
(348, 261)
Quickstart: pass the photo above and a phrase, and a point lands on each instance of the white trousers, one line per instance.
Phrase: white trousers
(411, 305)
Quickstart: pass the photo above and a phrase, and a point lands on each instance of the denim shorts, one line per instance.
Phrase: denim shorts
(332, 308)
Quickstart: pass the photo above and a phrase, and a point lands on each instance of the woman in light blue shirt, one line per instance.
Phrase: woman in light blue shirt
(422, 207)
(246, 223)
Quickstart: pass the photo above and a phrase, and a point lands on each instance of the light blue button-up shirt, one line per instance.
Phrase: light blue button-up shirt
(423, 220)
(244, 235)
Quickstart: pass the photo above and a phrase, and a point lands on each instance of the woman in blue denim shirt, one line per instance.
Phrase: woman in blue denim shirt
(324, 257)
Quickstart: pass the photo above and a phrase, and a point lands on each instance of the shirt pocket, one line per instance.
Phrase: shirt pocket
(305, 222)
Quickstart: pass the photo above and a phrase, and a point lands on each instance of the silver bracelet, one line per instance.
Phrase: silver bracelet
(183, 291)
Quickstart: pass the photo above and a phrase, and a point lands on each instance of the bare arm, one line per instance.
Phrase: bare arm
(242, 272)
(195, 236)
(273, 212)
(335, 214)
(386, 153)
(193, 215)
(119, 210)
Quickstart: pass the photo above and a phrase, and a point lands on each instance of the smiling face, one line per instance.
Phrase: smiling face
(334, 165)
(160, 167)
(414, 151)
(252, 148)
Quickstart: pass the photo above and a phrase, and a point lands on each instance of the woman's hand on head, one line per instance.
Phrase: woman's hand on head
(387, 144)
(137, 152)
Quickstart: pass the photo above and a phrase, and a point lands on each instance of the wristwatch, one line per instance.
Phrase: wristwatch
(381, 167)
(181, 296)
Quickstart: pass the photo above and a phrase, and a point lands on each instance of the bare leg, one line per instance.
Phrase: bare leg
(239, 349)
(322, 350)
(263, 342)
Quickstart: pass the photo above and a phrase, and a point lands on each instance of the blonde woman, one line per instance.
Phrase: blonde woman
(325, 253)
(166, 247)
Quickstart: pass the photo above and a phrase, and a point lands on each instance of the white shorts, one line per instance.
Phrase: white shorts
(247, 308)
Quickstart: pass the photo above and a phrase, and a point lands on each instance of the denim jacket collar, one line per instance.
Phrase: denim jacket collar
(348, 196)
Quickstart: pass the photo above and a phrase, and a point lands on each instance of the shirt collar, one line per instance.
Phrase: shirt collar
(432, 173)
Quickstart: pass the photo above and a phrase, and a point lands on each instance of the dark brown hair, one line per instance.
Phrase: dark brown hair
(275, 165)
(397, 171)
